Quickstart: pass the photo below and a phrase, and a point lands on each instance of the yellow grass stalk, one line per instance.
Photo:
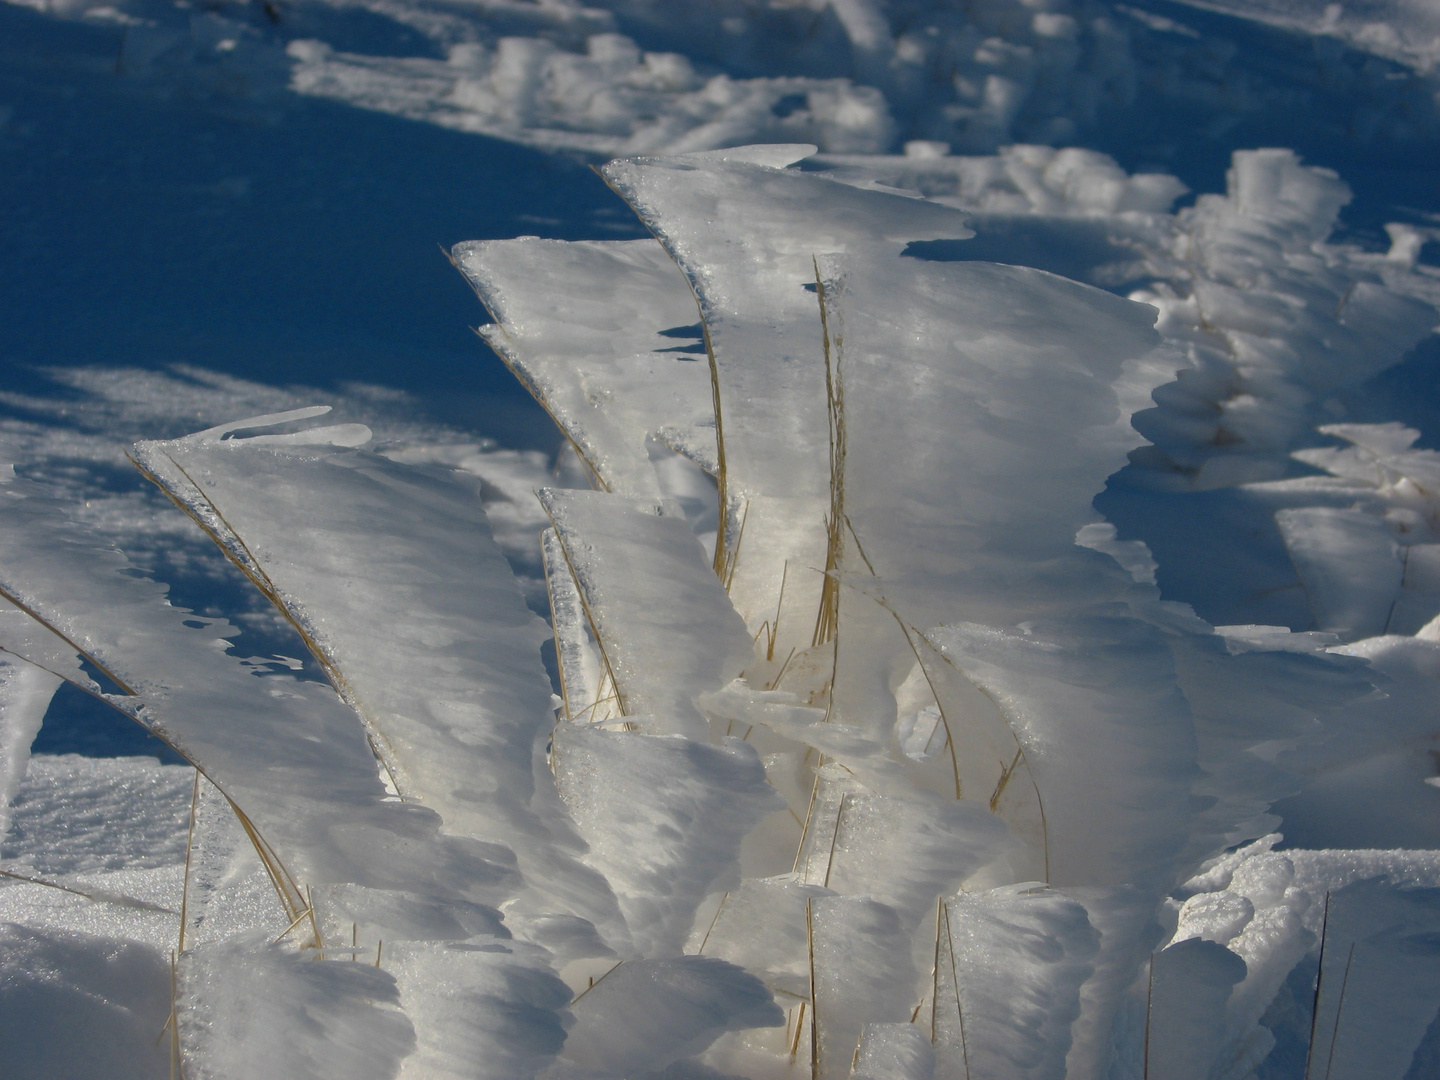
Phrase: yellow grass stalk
(189, 848)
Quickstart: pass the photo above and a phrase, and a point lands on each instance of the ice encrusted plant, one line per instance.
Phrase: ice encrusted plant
(870, 771)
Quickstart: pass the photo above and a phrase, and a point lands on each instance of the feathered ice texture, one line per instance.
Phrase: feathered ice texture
(893, 1052)
(244, 990)
(982, 774)
(289, 753)
(361, 869)
(940, 844)
(746, 234)
(666, 630)
(586, 693)
(1066, 704)
(605, 336)
(761, 926)
(974, 543)
(947, 527)
(468, 744)
(784, 423)
(860, 973)
(25, 693)
(1059, 683)
(646, 1014)
(491, 1010)
(1188, 986)
(1009, 964)
(664, 817)
(335, 535)
(758, 313)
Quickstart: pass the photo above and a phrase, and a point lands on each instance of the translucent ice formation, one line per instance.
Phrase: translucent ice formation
(916, 777)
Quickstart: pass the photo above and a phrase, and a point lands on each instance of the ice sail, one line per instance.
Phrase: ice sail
(917, 777)
(664, 625)
(292, 765)
(450, 686)
(604, 334)
(746, 233)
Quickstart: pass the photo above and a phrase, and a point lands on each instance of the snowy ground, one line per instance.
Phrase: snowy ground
(217, 210)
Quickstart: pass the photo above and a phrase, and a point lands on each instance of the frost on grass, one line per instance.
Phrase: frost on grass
(914, 775)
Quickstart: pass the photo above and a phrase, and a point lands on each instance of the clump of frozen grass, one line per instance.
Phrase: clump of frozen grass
(897, 779)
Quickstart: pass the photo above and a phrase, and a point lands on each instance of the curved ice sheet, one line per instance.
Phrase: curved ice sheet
(606, 336)
(390, 574)
(747, 236)
(666, 630)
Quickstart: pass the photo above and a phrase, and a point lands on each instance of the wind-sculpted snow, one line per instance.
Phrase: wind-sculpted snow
(1188, 986)
(246, 987)
(288, 752)
(640, 376)
(861, 970)
(917, 777)
(1007, 1011)
(759, 296)
(467, 747)
(666, 629)
(647, 1014)
(1007, 367)
(291, 752)
(664, 817)
(25, 694)
(751, 260)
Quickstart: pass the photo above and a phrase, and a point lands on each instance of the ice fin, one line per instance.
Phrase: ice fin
(250, 1010)
(483, 1009)
(1009, 966)
(644, 1014)
(893, 1052)
(861, 974)
(25, 693)
(666, 628)
(605, 334)
(1349, 564)
(664, 817)
(1189, 987)
(1380, 980)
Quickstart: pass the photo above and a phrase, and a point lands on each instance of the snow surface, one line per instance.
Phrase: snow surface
(950, 771)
